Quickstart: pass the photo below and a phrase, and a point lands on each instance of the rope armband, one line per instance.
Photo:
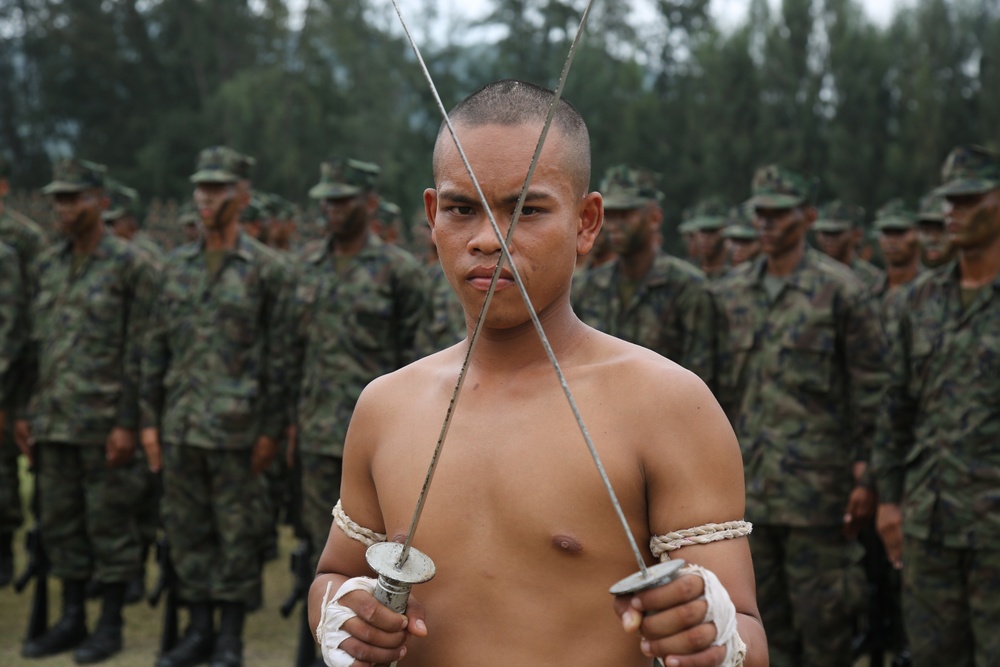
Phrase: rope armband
(707, 533)
(353, 530)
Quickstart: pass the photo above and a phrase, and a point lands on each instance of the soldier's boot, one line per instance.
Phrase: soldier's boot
(6, 557)
(195, 647)
(229, 644)
(94, 589)
(69, 630)
(106, 639)
(135, 589)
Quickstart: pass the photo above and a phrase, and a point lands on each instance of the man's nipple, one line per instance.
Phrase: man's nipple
(567, 544)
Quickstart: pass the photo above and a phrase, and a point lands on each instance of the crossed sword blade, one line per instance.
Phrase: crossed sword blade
(390, 560)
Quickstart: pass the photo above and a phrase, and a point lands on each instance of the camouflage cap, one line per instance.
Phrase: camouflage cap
(221, 164)
(741, 232)
(74, 175)
(340, 178)
(970, 170)
(124, 201)
(254, 211)
(836, 216)
(626, 187)
(894, 214)
(686, 228)
(775, 186)
(931, 208)
(388, 212)
(707, 215)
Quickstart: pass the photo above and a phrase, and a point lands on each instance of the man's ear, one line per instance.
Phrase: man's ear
(591, 221)
(810, 213)
(430, 209)
(655, 213)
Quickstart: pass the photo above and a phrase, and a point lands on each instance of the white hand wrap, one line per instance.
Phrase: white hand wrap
(333, 616)
(722, 613)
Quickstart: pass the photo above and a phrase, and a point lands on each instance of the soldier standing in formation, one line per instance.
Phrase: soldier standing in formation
(83, 413)
(936, 458)
(214, 399)
(804, 411)
(645, 296)
(839, 229)
(26, 239)
(358, 303)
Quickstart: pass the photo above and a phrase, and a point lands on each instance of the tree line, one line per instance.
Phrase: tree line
(142, 85)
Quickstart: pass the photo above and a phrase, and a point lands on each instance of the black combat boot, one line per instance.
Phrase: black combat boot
(135, 590)
(69, 630)
(6, 557)
(106, 640)
(229, 644)
(195, 647)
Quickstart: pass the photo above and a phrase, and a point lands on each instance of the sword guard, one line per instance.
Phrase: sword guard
(657, 575)
(394, 582)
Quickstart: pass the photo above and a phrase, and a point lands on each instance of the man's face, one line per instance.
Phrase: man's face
(557, 223)
(933, 242)
(692, 247)
(123, 227)
(347, 217)
(219, 204)
(781, 230)
(79, 212)
(711, 244)
(629, 230)
(742, 250)
(836, 244)
(973, 221)
(191, 232)
(900, 247)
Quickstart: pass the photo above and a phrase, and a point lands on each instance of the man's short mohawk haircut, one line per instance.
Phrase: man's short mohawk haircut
(511, 102)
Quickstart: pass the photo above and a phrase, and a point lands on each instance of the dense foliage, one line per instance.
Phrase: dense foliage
(141, 85)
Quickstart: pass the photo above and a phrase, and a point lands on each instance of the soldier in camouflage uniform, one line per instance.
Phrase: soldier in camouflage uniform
(92, 289)
(214, 392)
(190, 223)
(388, 221)
(358, 303)
(742, 240)
(282, 225)
(12, 329)
(123, 218)
(937, 457)
(709, 219)
(900, 245)
(26, 239)
(934, 248)
(839, 229)
(803, 409)
(645, 296)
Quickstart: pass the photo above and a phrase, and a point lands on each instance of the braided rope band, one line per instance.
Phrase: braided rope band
(704, 534)
(354, 531)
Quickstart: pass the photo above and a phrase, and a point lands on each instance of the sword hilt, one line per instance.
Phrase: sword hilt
(396, 579)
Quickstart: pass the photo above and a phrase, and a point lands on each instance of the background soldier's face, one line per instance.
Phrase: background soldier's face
(781, 229)
(710, 243)
(973, 221)
(628, 230)
(79, 212)
(899, 246)
(933, 243)
(346, 217)
(836, 244)
(743, 250)
(217, 203)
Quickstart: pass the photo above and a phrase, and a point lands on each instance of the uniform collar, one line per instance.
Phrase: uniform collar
(243, 249)
(370, 248)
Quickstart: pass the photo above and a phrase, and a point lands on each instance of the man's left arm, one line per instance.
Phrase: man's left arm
(693, 481)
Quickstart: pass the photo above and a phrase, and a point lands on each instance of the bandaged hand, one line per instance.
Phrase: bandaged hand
(356, 629)
(688, 622)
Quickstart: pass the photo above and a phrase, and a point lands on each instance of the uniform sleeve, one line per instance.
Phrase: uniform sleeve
(699, 322)
(278, 354)
(296, 345)
(154, 358)
(141, 291)
(894, 428)
(12, 321)
(864, 356)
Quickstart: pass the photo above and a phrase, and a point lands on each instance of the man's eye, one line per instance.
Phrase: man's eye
(528, 210)
(461, 210)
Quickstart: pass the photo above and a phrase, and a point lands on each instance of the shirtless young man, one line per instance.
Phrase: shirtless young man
(520, 528)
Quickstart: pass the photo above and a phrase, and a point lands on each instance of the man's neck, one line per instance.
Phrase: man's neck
(222, 238)
(351, 245)
(847, 259)
(715, 264)
(785, 263)
(86, 241)
(634, 267)
(502, 351)
(903, 273)
(979, 266)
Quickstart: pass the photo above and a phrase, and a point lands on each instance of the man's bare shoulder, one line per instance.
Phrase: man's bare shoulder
(436, 371)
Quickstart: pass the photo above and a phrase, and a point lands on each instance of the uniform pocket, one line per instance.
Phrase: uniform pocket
(807, 359)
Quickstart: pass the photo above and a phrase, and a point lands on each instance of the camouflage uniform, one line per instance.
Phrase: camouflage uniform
(355, 319)
(803, 409)
(709, 215)
(937, 454)
(26, 239)
(214, 379)
(444, 324)
(839, 217)
(671, 310)
(893, 215)
(84, 324)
